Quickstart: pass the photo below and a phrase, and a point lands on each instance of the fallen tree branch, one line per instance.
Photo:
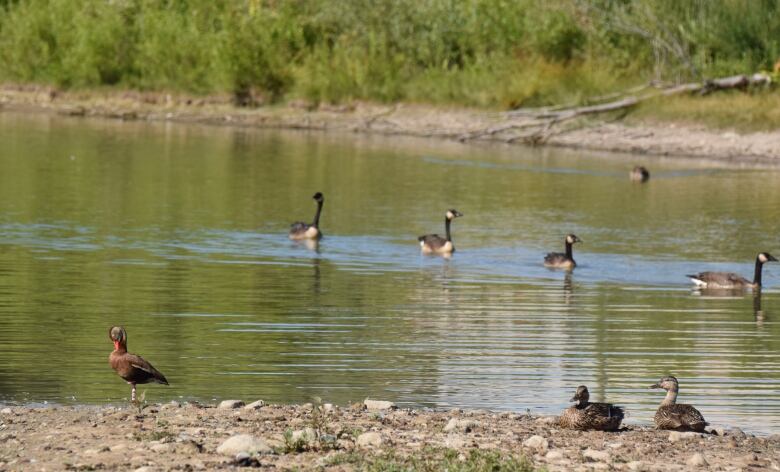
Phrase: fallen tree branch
(542, 121)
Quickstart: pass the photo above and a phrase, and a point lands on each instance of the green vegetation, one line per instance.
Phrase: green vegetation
(435, 459)
(487, 53)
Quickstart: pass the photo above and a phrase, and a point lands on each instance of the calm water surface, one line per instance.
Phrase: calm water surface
(179, 234)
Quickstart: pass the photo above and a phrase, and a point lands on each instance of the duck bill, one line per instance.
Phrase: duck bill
(655, 386)
(573, 400)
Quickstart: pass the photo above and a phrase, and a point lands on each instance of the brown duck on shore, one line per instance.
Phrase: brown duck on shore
(300, 230)
(134, 369)
(585, 415)
(435, 244)
(560, 260)
(673, 415)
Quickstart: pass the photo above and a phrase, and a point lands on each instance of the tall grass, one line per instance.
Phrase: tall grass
(488, 53)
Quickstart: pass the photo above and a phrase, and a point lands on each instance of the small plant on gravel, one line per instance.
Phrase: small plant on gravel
(435, 459)
(292, 445)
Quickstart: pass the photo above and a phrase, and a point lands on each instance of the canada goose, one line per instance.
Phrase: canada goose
(435, 244)
(731, 280)
(300, 230)
(673, 415)
(563, 260)
(585, 415)
(639, 174)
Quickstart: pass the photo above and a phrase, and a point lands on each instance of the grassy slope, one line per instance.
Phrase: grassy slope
(493, 54)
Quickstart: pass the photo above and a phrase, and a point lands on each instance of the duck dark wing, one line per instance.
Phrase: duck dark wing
(723, 279)
(680, 417)
(298, 227)
(143, 372)
(433, 241)
(555, 258)
(607, 410)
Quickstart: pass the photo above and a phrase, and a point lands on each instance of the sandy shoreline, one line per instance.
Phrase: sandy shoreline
(193, 436)
(661, 139)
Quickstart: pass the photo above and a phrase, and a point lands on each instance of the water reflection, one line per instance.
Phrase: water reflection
(180, 234)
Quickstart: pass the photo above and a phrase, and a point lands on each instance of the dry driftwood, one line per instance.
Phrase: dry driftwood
(536, 125)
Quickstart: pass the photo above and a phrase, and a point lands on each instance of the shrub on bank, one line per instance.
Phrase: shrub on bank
(490, 53)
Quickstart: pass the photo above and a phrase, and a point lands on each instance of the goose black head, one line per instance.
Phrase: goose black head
(766, 257)
(581, 395)
(572, 238)
(667, 383)
(318, 197)
(453, 213)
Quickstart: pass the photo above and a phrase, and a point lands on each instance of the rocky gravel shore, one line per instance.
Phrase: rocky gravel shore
(373, 435)
(661, 139)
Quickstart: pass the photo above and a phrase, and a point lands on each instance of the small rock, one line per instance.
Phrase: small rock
(676, 436)
(255, 405)
(377, 405)
(230, 404)
(172, 405)
(242, 456)
(143, 469)
(118, 447)
(454, 442)
(615, 445)
(328, 407)
(6, 411)
(546, 420)
(244, 443)
(160, 448)
(637, 466)
(537, 443)
(461, 425)
(737, 433)
(371, 438)
(697, 460)
(90, 452)
(554, 456)
(595, 456)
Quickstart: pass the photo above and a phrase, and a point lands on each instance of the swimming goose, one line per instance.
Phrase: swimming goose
(673, 415)
(563, 260)
(585, 415)
(731, 280)
(300, 230)
(435, 244)
(134, 369)
(639, 174)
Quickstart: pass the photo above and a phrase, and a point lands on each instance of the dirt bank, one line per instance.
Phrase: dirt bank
(411, 120)
(191, 436)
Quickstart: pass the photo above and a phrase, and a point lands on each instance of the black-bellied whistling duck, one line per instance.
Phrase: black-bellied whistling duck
(134, 369)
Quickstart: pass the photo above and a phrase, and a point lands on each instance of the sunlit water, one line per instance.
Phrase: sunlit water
(179, 233)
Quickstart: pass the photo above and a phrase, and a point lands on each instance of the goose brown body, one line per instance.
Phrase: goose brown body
(673, 415)
(563, 260)
(302, 231)
(730, 280)
(435, 244)
(591, 416)
(132, 368)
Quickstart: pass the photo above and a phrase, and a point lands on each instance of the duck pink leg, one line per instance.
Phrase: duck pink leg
(132, 395)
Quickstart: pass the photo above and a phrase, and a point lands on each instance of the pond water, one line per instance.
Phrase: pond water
(179, 233)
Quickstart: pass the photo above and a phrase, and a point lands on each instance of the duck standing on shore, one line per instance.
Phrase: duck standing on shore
(300, 230)
(134, 369)
(673, 415)
(586, 415)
